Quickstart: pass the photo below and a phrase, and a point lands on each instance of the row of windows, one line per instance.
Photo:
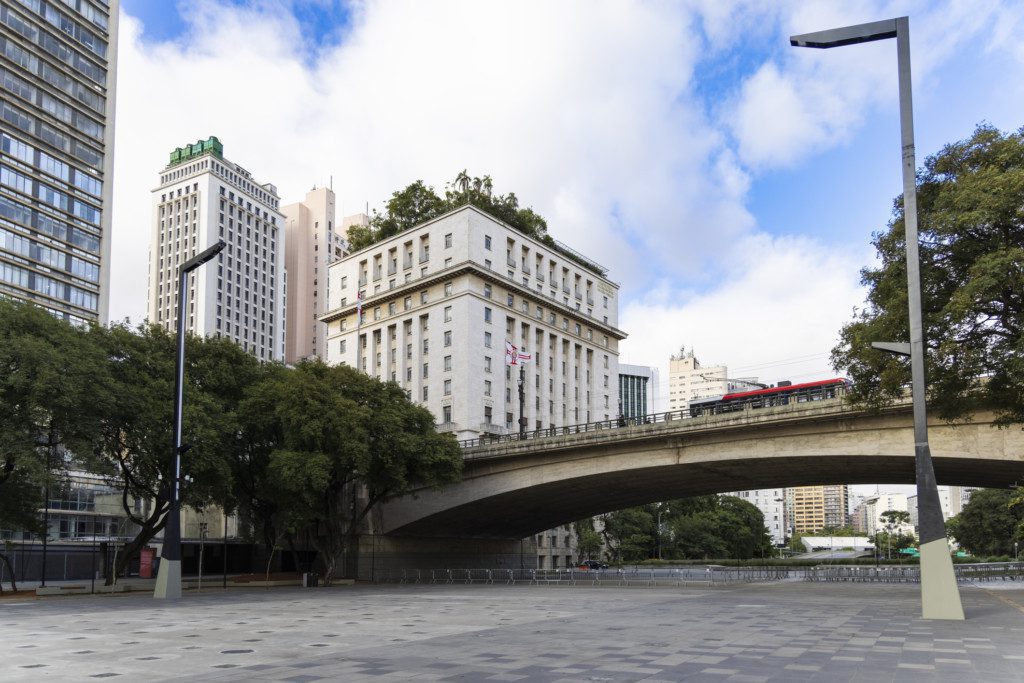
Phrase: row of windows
(21, 277)
(70, 25)
(49, 195)
(52, 166)
(48, 225)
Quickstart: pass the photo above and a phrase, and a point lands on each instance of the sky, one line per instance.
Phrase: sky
(729, 182)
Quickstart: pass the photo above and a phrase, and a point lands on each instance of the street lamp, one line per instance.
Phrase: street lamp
(168, 578)
(940, 598)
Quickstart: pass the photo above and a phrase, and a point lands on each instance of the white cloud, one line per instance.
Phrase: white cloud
(777, 311)
(584, 110)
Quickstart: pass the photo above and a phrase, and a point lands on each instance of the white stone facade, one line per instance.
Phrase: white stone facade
(688, 380)
(240, 294)
(440, 301)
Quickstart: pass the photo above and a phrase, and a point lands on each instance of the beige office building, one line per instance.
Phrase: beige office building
(813, 508)
(688, 380)
(441, 300)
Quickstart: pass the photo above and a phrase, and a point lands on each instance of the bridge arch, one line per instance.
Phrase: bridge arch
(516, 489)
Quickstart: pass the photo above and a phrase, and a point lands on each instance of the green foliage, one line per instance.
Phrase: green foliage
(971, 225)
(418, 203)
(990, 523)
(697, 527)
(52, 394)
(588, 541)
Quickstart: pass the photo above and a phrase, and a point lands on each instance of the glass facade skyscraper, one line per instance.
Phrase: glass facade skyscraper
(57, 75)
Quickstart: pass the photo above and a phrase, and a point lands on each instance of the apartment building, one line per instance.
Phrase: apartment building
(202, 197)
(440, 301)
(688, 380)
(311, 244)
(57, 82)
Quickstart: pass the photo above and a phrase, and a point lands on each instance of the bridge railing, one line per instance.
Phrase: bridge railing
(622, 422)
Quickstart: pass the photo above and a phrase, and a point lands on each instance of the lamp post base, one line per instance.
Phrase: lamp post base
(168, 580)
(940, 597)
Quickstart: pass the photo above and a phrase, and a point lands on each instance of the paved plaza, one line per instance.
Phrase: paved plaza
(780, 631)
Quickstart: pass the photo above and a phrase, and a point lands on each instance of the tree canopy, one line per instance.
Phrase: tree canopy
(990, 523)
(702, 527)
(418, 203)
(971, 226)
(309, 450)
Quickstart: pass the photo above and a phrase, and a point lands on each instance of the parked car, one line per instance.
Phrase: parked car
(593, 564)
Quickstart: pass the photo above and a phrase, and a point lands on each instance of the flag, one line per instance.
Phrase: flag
(523, 358)
(511, 354)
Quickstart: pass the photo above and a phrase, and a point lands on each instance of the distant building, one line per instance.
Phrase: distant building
(557, 548)
(688, 380)
(312, 243)
(202, 197)
(772, 504)
(951, 501)
(638, 387)
(818, 507)
(57, 78)
(878, 504)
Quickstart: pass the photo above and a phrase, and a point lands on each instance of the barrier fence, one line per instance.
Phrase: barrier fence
(711, 575)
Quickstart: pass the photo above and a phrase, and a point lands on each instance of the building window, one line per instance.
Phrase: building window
(426, 370)
(376, 313)
(341, 346)
(487, 315)
(407, 302)
(447, 363)
(447, 337)
(510, 300)
(487, 242)
(487, 339)
(425, 393)
(487, 388)
(447, 387)
(487, 291)
(487, 363)
(426, 345)
(447, 289)
(448, 241)
(447, 314)
(423, 297)
(446, 414)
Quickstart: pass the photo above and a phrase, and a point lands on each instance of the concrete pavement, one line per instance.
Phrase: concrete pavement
(781, 631)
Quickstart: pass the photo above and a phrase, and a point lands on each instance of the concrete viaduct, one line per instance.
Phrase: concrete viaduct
(513, 489)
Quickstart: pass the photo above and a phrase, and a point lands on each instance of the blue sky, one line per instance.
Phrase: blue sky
(730, 182)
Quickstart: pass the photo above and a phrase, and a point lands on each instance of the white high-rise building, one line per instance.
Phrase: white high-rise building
(688, 380)
(439, 303)
(202, 198)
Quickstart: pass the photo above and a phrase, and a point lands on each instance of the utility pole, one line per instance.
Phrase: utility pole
(522, 400)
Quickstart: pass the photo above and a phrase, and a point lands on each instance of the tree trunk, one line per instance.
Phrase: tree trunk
(10, 571)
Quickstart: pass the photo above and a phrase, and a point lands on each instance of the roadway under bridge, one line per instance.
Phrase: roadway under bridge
(514, 489)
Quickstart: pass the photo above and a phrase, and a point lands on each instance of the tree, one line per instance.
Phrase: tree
(895, 522)
(134, 441)
(989, 523)
(588, 541)
(52, 395)
(339, 443)
(629, 534)
(971, 224)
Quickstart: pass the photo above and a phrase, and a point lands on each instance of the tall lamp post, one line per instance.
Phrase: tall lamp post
(168, 578)
(940, 598)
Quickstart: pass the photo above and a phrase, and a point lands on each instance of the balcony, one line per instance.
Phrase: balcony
(491, 428)
(449, 427)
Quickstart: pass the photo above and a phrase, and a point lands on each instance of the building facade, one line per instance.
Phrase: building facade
(311, 244)
(440, 301)
(688, 380)
(813, 508)
(202, 197)
(557, 548)
(57, 79)
(638, 389)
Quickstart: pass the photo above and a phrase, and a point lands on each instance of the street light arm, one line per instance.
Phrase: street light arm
(203, 256)
(847, 35)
